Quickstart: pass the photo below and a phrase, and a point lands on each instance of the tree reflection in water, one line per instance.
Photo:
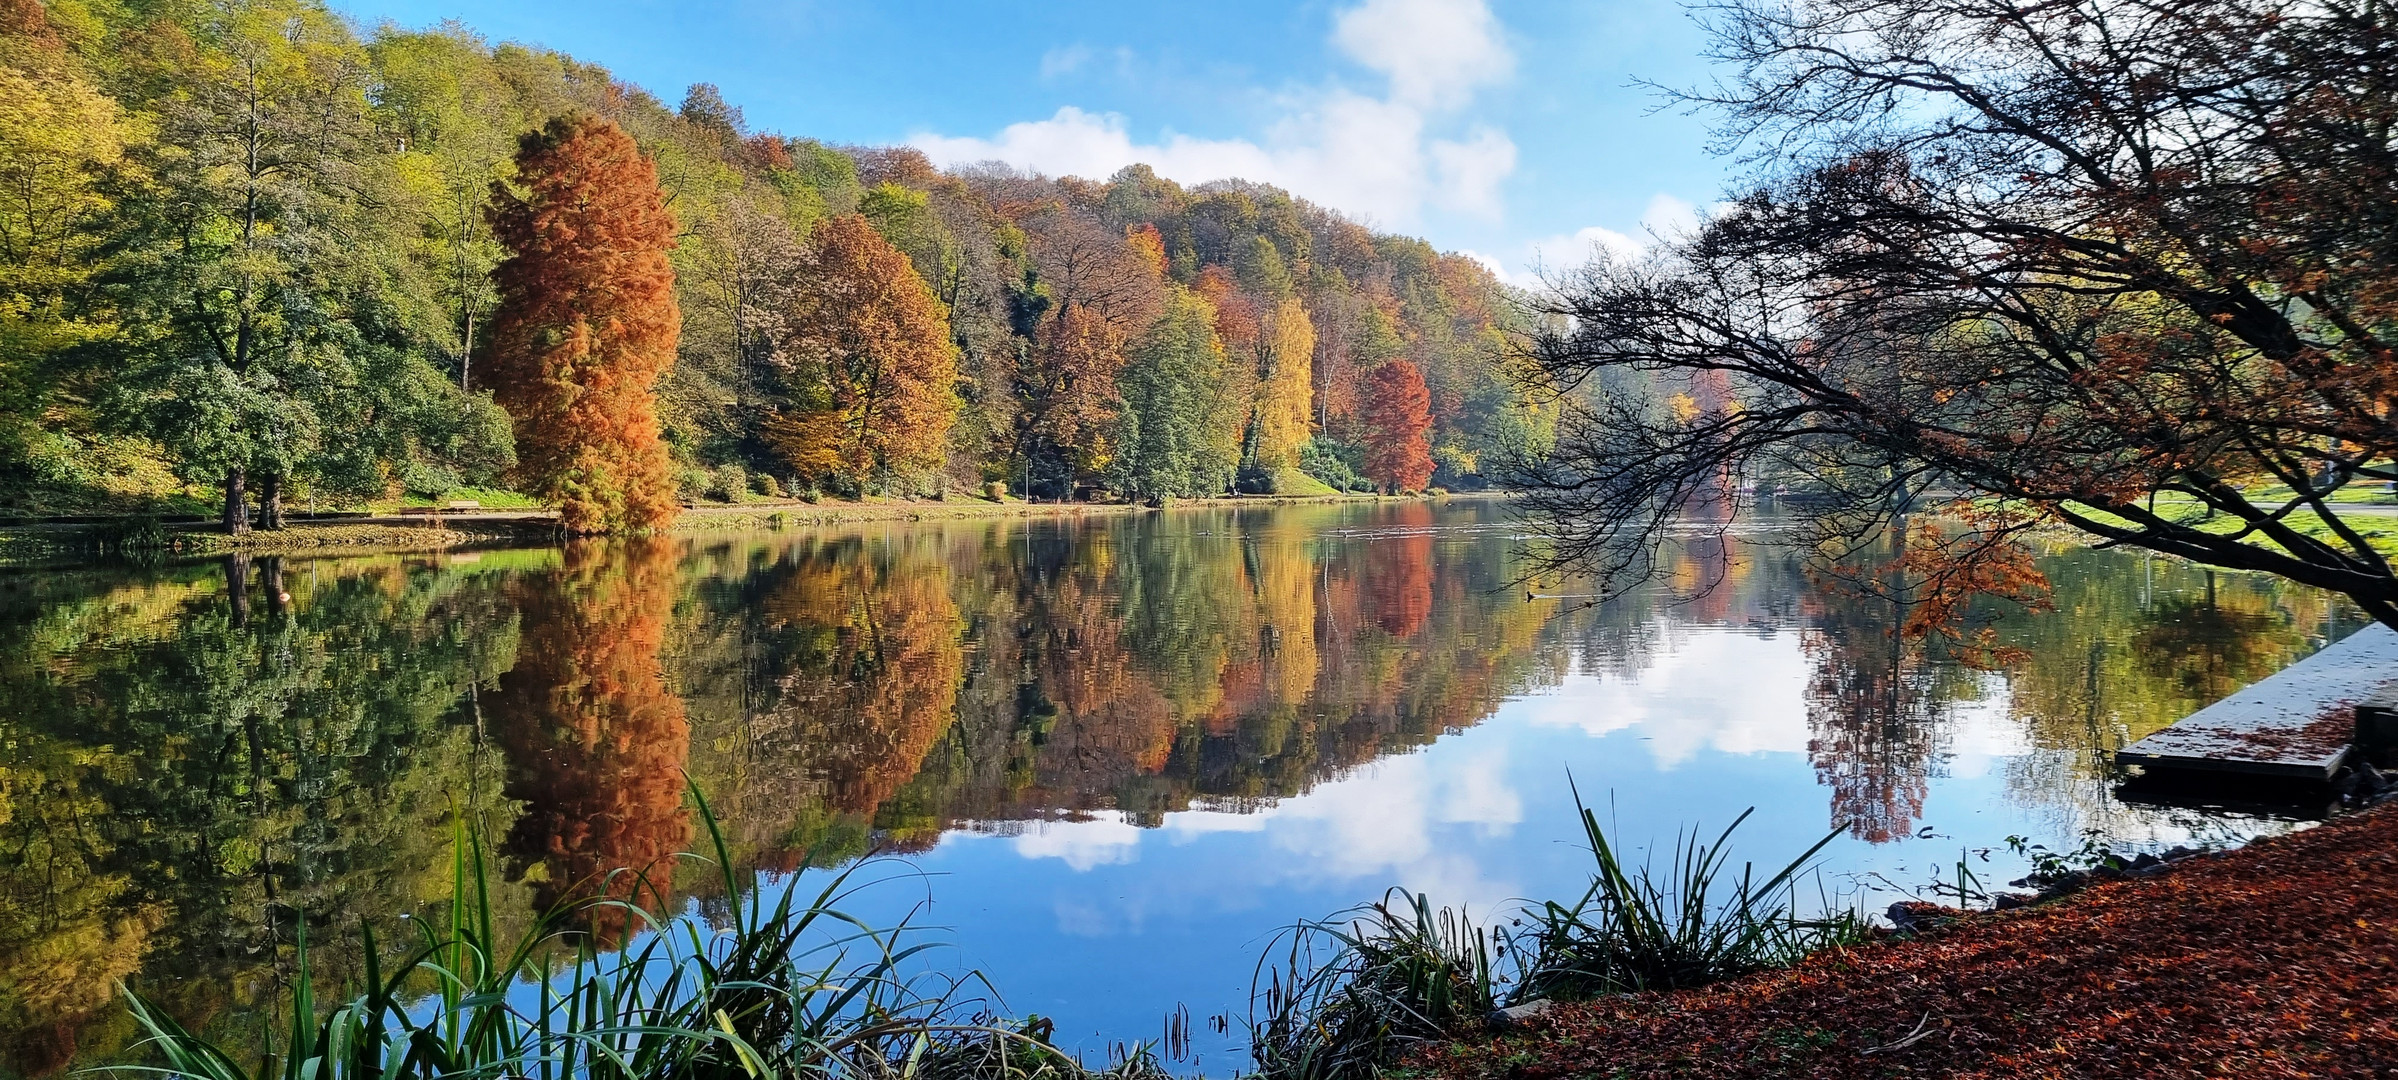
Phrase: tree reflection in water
(595, 740)
(198, 755)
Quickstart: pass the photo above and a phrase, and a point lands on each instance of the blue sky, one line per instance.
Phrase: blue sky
(1504, 128)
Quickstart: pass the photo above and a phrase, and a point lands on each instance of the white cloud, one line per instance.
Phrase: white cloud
(1105, 840)
(1435, 52)
(1380, 824)
(1682, 702)
(1467, 174)
(1479, 794)
(1669, 218)
(1064, 60)
(1378, 158)
(1665, 218)
(1075, 59)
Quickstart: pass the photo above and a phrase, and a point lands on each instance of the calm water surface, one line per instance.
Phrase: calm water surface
(1115, 754)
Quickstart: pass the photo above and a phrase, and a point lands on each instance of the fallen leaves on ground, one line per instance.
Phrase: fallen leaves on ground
(2277, 960)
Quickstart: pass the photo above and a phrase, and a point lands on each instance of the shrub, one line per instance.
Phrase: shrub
(728, 483)
(1355, 992)
(428, 480)
(1332, 463)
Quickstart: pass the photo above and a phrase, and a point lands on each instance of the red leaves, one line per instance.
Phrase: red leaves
(2277, 960)
(586, 324)
(1397, 416)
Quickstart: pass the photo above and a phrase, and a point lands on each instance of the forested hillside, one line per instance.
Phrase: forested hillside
(246, 243)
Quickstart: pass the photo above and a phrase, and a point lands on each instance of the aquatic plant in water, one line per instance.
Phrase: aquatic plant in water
(1338, 999)
(781, 990)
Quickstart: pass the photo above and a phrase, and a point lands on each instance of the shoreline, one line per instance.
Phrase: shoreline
(2277, 958)
(37, 543)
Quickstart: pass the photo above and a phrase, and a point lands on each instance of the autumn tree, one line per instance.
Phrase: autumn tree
(586, 323)
(865, 354)
(244, 249)
(1095, 289)
(2127, 269)
(1286, 345)
(1396, 420)
(60, 141)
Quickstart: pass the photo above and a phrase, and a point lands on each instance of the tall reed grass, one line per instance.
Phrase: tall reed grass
(787, 989)
(797, 988)
(1342, 998)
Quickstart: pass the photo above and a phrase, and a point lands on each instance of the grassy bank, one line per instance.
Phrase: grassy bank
(29, 544)
(829, 512)
(2279, 959)
(33, 545)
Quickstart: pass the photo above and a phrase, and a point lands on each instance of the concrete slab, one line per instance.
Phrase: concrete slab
(2294, 724)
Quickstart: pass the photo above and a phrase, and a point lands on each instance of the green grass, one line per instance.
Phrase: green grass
(1292, 482)
(788, 985)
(1343, 998)
(1695, 923)
(491, 498)
(1353, 993)
(793, 989)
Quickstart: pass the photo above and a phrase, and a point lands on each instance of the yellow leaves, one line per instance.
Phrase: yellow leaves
(1683, 407)
(1148, 245)
(56, 134)
(1286, 350)
(419, 174)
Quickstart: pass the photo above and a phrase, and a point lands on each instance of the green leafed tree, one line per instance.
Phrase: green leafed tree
(1178, 433)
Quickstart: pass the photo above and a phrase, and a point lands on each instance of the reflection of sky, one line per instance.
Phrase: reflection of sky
(1106, 927)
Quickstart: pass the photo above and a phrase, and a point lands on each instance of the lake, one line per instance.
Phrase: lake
(1110, 756)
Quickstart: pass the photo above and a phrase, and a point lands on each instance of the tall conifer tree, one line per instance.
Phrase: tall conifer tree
(1398, 418)
(586, 324)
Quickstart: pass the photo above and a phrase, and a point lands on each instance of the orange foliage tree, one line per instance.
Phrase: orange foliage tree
(1081, 352)
(866, 354)
(596, 742)
(586, 323)
(1397, 421)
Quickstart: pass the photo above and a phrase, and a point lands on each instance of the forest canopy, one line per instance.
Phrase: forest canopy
(248, 254)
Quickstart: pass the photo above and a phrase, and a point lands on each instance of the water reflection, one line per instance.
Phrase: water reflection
(594, 741)
(1157, 734)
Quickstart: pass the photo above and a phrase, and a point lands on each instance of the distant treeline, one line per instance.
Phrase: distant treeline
(242, 244)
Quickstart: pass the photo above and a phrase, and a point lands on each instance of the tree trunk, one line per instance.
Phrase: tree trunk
(270, 500)
(237, 502)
